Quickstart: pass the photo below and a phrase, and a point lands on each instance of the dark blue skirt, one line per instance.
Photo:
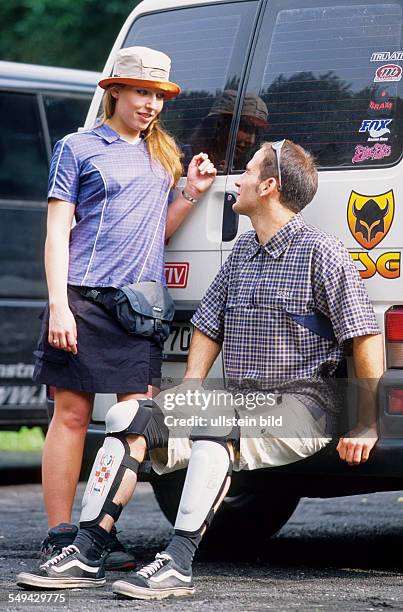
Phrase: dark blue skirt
(109, 360)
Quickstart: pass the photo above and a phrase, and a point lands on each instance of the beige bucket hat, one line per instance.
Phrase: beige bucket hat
(254, 109)
(145, 67)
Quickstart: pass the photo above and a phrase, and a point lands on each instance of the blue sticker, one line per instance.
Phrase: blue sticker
(377, 129)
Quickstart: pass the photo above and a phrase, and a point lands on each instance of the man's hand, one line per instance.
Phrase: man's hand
(356, 446)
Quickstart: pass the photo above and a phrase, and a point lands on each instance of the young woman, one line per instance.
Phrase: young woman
(115, 181)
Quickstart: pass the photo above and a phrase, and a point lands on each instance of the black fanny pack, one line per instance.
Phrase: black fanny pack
(143, 309)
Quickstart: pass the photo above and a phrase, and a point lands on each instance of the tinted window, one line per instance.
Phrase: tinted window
(23, 160)
(325, 88)
(22, 238)
(207, 46)
(65, 114)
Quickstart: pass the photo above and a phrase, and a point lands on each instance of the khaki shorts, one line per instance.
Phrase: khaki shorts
(280, 434)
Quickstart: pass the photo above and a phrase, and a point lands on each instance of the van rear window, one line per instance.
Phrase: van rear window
(331, 78)
(207, 46)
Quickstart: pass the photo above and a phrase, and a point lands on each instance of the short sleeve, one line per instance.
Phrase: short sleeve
(64, 175)
(209, 317)
(340, 294)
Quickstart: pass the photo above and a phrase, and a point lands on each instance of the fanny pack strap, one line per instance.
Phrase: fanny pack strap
(100, 297)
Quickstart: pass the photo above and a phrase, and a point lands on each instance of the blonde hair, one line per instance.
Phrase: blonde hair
(160, 145)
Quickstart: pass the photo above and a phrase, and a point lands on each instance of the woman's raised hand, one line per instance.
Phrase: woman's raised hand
(200, 176)
(62, 329)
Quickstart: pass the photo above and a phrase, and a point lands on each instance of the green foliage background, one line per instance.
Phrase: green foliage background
(68, 33)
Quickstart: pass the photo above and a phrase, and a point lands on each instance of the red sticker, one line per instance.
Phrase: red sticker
(388, 72)
(176, 274)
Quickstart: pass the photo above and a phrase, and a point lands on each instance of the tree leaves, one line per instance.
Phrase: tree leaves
(75, 34)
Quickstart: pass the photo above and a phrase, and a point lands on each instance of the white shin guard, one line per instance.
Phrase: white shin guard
(209, 467)
(113, 459)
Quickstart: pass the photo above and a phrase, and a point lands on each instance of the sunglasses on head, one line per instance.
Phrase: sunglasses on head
(277, 146)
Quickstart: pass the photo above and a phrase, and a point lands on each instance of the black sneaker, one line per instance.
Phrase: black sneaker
(58, 538)
(157, 580)
(117, 558)
(69, 570)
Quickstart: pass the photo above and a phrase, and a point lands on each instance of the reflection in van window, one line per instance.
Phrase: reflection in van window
(23, 159)
(321, 87)
(64, 115)
(207, 46)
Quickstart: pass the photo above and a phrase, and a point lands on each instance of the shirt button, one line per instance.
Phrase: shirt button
(98, 247)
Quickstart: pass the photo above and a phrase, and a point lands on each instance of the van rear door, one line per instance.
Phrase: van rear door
(331, 77)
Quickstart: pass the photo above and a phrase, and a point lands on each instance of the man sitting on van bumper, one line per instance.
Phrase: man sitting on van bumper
(281, 308)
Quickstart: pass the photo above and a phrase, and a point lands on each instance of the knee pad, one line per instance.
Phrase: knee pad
(209, 467)
(220, 429)
(113, 458)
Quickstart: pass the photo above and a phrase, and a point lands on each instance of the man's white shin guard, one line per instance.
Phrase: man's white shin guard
(112, 460)
(209, 467)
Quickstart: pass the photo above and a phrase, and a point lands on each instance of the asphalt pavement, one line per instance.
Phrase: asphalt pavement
(333, 554)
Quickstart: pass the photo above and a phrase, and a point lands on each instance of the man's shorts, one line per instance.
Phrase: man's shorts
(274, 435)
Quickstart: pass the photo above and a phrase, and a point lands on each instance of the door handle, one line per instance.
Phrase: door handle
(230, 219)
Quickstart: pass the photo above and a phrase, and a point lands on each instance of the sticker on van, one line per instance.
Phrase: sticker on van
(388, 72)
(387, 56)
(370, 217)
(176, 274)
(376, 128)
(378, 151)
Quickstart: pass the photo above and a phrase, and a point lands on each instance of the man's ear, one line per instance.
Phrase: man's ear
(267, 186)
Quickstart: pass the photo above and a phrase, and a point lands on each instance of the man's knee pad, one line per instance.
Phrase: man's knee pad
(113, 458)
(209, 467)
(220, 429)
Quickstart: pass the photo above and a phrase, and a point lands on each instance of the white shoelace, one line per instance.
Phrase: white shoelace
(68, 550)
(154, 566)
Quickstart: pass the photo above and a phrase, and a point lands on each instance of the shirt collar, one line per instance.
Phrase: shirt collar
(281, 239)
(106, 132)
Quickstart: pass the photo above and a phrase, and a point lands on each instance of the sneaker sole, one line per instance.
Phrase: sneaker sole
(135, 592)
(30, 581)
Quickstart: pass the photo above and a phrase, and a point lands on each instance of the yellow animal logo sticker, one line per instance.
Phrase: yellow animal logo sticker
(370, 217)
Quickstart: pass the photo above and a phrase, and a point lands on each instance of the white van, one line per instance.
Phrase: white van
(329, 75)
(38, 106)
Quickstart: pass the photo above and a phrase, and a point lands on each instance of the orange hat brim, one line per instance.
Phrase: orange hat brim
(171, 90)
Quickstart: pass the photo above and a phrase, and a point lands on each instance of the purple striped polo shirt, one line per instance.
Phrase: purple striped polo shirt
(120, 197)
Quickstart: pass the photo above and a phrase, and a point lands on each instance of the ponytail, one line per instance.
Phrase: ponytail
(162, 147)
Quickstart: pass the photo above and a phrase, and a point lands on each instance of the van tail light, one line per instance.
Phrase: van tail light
(394, 337)
(395, 401)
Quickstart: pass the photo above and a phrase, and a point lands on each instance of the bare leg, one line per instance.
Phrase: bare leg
(63, 451)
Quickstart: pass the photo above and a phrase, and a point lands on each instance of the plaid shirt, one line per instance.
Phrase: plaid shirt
(262, 302)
